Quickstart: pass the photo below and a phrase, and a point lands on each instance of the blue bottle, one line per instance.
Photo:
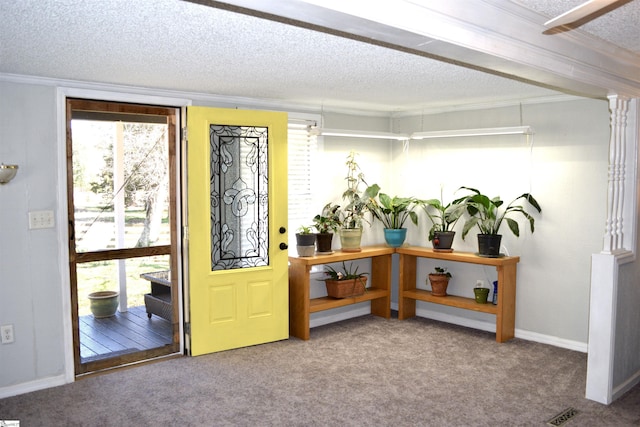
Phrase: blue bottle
(495, 293)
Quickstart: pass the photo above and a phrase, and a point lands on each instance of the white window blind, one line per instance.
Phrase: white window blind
(303, 148)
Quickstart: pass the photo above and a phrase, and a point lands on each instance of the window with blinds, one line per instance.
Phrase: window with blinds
(303, 148)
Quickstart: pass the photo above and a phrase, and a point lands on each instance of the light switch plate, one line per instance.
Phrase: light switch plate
(41, 219)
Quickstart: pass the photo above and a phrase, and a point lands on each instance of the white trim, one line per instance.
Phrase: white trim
(491, 327)
(626, 386)
(334, 315)
(485, 105)
(222, 101)
(63, 237)
(28, 387)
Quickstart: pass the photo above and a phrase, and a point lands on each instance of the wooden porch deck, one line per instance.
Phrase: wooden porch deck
(122, 333)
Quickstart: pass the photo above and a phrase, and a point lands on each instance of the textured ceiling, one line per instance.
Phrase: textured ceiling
(620, 25)
(170, 44)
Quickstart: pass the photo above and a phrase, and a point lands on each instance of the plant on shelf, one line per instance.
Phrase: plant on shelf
(488, 214)
(443, 219)
(345, 283)
(392, 213)
(328, 220)
(352, 215)
(439, 280)
(326, 223)
(305, 241)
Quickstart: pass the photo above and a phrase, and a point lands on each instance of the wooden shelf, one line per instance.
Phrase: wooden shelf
(451, 300)
(301, 305)
(326, 303)
(468, 257)
(506, 268)
(339, 256)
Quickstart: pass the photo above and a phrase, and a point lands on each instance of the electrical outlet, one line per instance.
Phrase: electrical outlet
(41, 219)
(6, 334)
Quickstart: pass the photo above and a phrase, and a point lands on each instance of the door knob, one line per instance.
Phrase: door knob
(284, 246)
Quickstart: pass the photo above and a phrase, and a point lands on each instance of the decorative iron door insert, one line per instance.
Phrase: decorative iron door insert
(239, 197)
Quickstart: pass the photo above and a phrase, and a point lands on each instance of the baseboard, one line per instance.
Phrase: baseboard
(32, 386)
(582, 347)
(334, 315)
(456, 320)
(491, 327)
(621, 389)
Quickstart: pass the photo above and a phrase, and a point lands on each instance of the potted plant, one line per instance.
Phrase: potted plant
(352, 214)
(392, 213)
(480, 292)
(305, 241)
(439, 280)
(326, 223)
(345, 283)
(443, 218)
(488, 215)
(103, 303)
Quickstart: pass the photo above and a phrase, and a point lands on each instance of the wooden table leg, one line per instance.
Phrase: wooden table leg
(299, 300)
(506, 317)
(406, 282)
(381, 279)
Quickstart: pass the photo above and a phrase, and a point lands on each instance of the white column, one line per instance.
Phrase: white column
(118, 212)
(613, 236)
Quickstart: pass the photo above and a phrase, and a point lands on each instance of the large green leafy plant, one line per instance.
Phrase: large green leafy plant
(352, 214)
(391, 212)
(443, 217)
(488, 214)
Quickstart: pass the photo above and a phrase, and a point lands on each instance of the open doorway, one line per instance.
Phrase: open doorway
(123, 228)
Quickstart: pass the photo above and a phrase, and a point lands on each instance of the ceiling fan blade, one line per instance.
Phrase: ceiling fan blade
(578, 12)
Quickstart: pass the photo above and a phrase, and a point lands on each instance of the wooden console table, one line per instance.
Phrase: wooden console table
(300, 304)
(505, 309)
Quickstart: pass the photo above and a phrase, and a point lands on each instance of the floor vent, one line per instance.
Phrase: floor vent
(562, 417)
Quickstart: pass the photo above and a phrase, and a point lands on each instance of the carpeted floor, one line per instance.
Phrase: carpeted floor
(361, 372)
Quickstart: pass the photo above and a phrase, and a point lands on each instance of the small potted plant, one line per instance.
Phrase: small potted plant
(352, 215)
(439, 280)
(488, 215)
(392, 213)
(326, 223)
(305, 241)
(443, 218)
(345, 283)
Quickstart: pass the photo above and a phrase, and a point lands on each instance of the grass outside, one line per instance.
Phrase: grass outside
(103, 275)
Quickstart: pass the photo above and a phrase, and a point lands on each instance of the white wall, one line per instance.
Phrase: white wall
(30, 288)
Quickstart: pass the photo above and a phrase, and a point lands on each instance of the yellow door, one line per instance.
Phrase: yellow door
(237, 217)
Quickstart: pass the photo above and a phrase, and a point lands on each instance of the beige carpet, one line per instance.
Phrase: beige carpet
(361, 372)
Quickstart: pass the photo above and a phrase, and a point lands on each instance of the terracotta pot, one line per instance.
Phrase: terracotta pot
(346, 288)
(439, 283)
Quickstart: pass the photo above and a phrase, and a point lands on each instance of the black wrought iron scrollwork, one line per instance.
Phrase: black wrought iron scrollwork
(239, 197)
